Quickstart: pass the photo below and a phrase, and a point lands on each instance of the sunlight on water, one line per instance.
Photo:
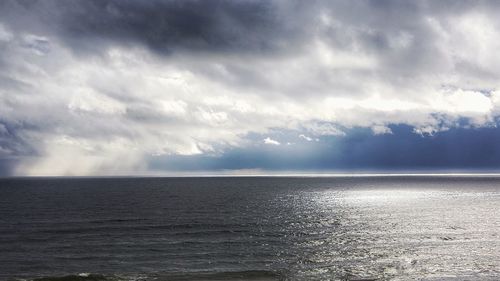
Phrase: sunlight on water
(386, 196)
(398, 233)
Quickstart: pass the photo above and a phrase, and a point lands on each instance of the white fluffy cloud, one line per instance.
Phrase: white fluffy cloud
(105, 113)
(269, 140)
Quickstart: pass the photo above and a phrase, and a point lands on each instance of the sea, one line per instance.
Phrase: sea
(411, 227)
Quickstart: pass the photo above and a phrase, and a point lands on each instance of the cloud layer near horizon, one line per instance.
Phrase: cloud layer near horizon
(101, 87)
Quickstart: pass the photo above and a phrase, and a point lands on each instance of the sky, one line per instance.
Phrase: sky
(129, 87)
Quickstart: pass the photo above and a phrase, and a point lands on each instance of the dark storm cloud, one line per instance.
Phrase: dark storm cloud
(219, 25)
(231, 25)
(12, 148)
(163, 26)
(255, 27)
(168, 25)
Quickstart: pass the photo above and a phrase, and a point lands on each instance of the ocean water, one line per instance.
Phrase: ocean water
(250, 228)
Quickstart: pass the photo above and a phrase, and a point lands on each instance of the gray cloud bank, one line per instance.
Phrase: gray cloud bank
(99, 87)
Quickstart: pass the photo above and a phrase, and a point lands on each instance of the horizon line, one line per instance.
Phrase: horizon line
(296, 175)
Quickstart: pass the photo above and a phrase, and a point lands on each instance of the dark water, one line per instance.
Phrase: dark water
(383, 228)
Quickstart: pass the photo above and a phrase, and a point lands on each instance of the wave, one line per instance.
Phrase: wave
(77, 277)
(250, 275)
(253, 275)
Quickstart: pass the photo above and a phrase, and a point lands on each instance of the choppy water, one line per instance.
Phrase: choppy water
(382, 228)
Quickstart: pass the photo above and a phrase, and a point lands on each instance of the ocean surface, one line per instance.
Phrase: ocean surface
(250, 228)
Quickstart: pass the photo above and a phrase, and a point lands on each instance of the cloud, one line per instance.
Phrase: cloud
(302, 136)
(307, 138)
(268, 140)
(455, 150)
(381, 130)
(5, 35)
(114, 83)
